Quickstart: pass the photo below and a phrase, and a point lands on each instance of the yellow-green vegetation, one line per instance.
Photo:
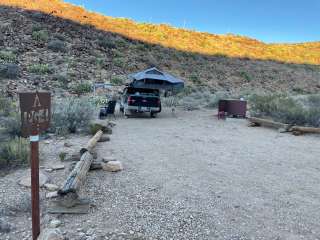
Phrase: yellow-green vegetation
(40, 68)
(181, 39)
(41, 35)
(7, 56)
(295, 110)
(15, 152)
(82, 88)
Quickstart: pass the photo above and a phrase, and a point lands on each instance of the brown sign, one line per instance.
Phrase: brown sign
(35, 112)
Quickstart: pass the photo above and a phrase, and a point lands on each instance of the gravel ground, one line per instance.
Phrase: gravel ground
(191, 176)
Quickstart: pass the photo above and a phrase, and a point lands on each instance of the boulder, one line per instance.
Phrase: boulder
(57, 167)
(51, 234)
(50, 195)
(54, 223)
(26, 180)
(51, 187)
(108, 159)
(112, 166)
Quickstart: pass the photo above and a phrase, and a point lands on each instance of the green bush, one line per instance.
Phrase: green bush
(116, 81)
(70, 115)
(41, 35)
(40, 69)
(7, 57)
(106, 43)
(82, 88)
(286, 109)
(246, 76)
(16, 151)
(118, 61)
(195, 78)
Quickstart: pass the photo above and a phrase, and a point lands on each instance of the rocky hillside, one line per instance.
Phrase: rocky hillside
(54, 45)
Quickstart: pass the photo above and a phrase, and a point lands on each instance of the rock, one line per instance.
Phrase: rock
(96, 165)
(4, 226)
(48, 170)
(73, 157)
(51, 234)
(104, 138)
(112, 166)
(26, 180)
(51, 187)
(282, 130)
(66, 144)
(108, 159)
(55, 223)
(51, 195)
(111, 124)
(100, 125)
(47, 142)
(57, 167)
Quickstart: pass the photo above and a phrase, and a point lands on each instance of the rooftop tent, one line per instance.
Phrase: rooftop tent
(156, 79)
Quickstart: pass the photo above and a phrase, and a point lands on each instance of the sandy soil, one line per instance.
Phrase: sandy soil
(189, 176)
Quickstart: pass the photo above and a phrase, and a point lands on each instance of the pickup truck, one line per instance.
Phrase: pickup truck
(140, 100)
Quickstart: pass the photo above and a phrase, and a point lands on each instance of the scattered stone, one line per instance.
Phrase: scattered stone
(73, 157)
(47, 142)
(51, 187)
(112, 166)
(26, 180)
(282, 130)
(104, 138)
(51, 234)
(66, 144)
(57, 167)
(55, 223)
(48, 170)
(111, 124)
(51, 195)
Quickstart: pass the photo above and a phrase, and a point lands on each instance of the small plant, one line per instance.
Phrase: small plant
(246, 76)
(106, 43)
(82, 88)
(12, 124)
(119, 62)
(40, 69)
(41, 35)
(7, 57)
(71, 115)
(62, 156)
(16, 151)
(57, 46)
(194, 78)
(116, 81)
(6, 106)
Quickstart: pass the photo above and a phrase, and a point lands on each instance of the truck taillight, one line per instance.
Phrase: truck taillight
(130, 100)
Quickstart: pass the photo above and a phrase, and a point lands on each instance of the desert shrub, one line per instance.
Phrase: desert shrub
(284, 108)
(118, 61)
(106, 43)
(12, 124)
(81, 88)
(6, 106)
(215, 98)
(62, 78)
(9, 70)
(40, 69)
(7, 57)
(195, 78)
(71, 115)
(62, 156)
(41, 35)
(57, 46)
(15, 151)
(246, 76)
(116, 81)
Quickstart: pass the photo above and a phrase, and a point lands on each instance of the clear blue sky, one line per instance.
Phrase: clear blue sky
(266, 20)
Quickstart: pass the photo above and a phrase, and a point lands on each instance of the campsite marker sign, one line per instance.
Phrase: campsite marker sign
(35, 110)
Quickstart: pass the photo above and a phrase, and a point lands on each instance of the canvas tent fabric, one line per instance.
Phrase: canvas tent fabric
(154, 78)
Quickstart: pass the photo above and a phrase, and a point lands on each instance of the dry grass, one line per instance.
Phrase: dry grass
(186, 40)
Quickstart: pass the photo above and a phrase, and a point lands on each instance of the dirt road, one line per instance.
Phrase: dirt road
(194, 177)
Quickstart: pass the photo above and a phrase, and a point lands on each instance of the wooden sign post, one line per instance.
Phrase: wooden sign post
(35, 118)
